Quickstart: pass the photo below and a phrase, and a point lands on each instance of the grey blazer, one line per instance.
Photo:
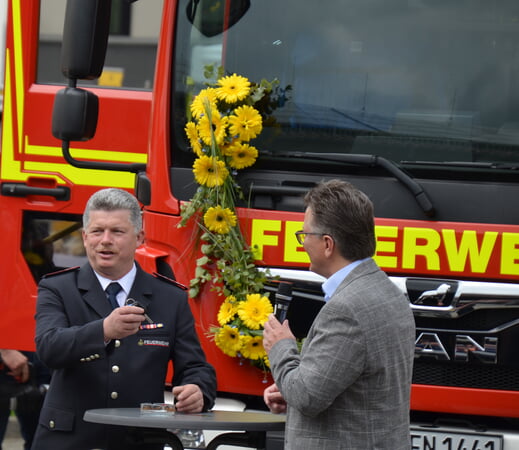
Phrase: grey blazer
(350, 386)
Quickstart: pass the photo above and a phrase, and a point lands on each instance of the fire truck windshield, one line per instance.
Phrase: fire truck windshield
(407, 80)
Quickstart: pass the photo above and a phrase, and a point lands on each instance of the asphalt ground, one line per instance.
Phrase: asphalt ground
(12, 438)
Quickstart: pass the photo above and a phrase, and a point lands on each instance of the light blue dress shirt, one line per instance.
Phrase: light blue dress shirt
(332, 283)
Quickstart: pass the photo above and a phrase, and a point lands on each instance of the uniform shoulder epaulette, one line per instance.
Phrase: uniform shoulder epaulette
(170, 280)
(59, 272)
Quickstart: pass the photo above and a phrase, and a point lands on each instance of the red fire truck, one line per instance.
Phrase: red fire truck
(416, 102)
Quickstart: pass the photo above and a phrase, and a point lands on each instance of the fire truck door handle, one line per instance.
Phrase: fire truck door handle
(258, 189)
(268, 197)
(22, 190)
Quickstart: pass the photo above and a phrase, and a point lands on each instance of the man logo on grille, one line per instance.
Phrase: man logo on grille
(436, 295)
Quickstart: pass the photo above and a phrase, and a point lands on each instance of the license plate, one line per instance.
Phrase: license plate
(422, 439)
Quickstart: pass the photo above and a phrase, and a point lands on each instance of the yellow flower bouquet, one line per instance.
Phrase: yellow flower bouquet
(224, 119)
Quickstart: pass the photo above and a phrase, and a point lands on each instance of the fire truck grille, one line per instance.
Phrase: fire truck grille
(480, 320)
(467, 376)
(501, 374)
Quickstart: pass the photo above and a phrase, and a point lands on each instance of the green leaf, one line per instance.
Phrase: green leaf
(202, 261)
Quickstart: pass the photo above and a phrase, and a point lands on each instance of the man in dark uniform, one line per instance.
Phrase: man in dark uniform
(105, 356)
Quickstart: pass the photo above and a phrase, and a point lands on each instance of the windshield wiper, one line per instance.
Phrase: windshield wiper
(373, 161)
(468, 164)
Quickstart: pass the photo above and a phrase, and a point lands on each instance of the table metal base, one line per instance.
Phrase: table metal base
(144, 436)
(147, 436)
(253, 439)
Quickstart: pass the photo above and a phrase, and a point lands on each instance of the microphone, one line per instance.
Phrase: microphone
(283, 298)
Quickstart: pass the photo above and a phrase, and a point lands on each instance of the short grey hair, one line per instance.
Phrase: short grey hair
(113, 199)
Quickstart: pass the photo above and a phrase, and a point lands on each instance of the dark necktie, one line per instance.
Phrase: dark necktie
(111, 292)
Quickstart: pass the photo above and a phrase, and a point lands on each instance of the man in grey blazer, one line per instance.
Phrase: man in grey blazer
(109, 356)
(349, 386)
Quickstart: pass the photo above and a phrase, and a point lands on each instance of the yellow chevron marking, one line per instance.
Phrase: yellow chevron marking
(86, 177)
(10, 168)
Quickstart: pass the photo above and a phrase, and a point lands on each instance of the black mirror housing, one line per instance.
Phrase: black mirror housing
(143, 188)
(85, 38)
(74, 117)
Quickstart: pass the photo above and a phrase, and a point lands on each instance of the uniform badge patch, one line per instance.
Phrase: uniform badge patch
(153, 342)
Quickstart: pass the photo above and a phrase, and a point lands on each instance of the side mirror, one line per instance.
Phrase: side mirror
(85, 38)
(213, 18)
(75, 113)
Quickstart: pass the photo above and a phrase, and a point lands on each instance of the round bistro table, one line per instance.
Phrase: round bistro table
(249, 428)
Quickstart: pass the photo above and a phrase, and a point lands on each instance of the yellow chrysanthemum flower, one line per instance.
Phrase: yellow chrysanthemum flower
(243, 155)
(252, 347)
(228, 148)
(216, 126)
(219, 220)
(233, 88)
(245, 123)
(228, 340)
(192, 135)
(205, 98)
(227, 310)
(210, 171)
(254, 311)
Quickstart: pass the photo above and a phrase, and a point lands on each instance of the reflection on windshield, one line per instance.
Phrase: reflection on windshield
(413, 80)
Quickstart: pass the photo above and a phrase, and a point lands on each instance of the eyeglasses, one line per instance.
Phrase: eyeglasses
(301, 236)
